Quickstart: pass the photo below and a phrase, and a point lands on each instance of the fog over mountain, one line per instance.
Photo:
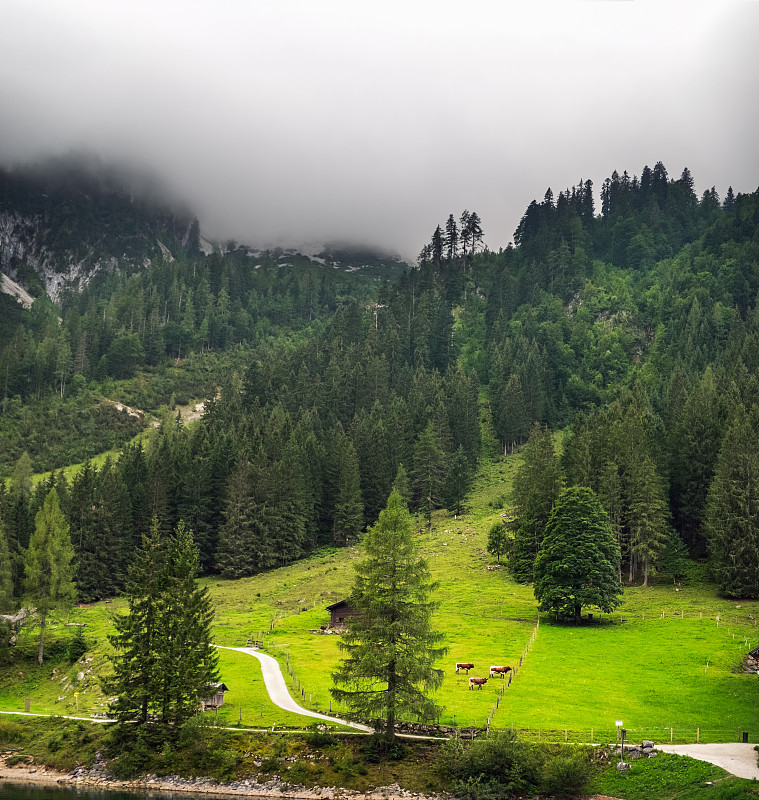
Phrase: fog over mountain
(297, 121)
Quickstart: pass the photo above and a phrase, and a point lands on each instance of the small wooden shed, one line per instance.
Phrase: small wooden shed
(340, 612)
(217, 698)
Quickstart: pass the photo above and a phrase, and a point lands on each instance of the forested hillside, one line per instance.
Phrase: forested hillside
(635, 329)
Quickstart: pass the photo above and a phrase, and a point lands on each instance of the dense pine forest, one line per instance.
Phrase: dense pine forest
(619, 346)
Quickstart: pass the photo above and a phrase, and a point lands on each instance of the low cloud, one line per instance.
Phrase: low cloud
(298, 121)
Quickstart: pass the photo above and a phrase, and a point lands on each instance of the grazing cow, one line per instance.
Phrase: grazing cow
(499, 671)
(461, 665)
(478, 682)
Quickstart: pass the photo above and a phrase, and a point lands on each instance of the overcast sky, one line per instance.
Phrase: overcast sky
(310, 120)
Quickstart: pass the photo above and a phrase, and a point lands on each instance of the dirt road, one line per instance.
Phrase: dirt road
(279, 694)
(738, 759)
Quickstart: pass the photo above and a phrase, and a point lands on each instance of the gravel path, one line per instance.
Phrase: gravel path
(738, 759)
(279, 694)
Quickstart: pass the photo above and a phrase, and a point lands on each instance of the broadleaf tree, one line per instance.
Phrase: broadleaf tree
(578, 561)
(390, 645)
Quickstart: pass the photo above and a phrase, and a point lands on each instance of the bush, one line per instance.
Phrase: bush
(317, 738)
(501, 764)
(566, 774)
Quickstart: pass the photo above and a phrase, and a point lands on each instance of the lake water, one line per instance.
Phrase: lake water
(30, 791)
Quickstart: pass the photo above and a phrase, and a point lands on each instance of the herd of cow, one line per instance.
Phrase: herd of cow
(480, 682)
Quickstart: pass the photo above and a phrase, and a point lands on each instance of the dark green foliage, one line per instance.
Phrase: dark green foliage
(457, 482)
(536, 486)
(498, 540)
(78, 645)
(732, 516)
(566, 775)
(390, 646)
(429, 471)
(164, 662)
(578, 562)
(497, 767)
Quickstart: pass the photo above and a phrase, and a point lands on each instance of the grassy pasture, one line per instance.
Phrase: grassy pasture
(662, 661)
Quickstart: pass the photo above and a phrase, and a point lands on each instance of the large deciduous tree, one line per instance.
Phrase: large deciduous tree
(390, 646)
(49, 571)
(578, 562)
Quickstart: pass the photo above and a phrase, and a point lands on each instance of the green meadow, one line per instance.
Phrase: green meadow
(667, 663)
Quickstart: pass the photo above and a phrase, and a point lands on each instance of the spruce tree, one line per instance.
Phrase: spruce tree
(6, 572)
(135, 680)
(647, 517)
(349, 507)
(457, 482)
(429, 471)
(732, 515)
(187, 662)
(164, 662)
(390, 646)
(537, 484)
(578, 562)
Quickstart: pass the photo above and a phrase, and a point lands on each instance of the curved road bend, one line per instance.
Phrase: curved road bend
(279, 694)
(736, 758)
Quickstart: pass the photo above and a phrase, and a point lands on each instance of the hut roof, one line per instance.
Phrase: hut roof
(338, 604)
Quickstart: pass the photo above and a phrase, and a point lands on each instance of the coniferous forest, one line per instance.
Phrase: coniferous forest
(617, 345)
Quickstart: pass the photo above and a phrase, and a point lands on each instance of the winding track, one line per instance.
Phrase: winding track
(279, 694)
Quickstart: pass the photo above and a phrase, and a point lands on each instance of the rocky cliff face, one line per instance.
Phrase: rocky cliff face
(62, 224)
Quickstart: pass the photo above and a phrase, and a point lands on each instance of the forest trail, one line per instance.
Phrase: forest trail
(279, 694)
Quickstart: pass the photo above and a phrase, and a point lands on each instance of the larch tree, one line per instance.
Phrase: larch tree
(390, 645)
(48, 567)
(578, 562)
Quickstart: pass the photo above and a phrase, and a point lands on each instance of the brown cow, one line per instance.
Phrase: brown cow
(461, 665)
(478, 682)
(499, 671)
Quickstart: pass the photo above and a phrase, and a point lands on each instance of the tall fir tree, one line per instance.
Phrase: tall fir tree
(429, 471)
(647, 517)
(164, 662)
(732, 515)
(537, 484)
(390, 645)
(6, 572)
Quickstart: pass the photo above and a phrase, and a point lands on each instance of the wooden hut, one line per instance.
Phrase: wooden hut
(340, 612)
(217, 698)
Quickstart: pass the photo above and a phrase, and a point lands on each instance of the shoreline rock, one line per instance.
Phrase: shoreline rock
(98, 777)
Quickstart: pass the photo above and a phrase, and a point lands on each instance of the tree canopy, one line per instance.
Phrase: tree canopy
(578, 561)
(390, 645)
